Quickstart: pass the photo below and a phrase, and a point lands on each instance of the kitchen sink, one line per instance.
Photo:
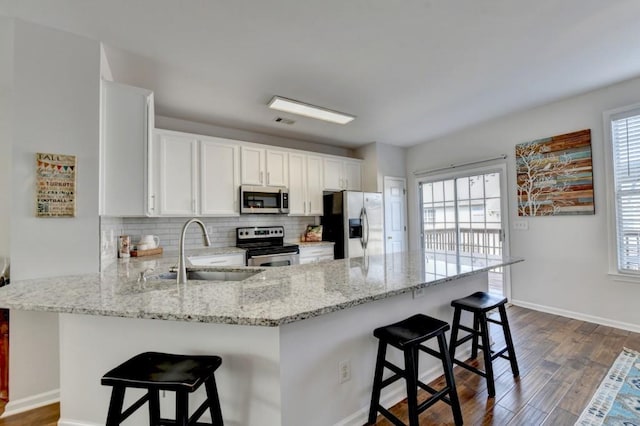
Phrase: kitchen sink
(210, 275)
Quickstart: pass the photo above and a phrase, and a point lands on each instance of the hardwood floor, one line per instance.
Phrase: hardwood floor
(43, 416)
(562, 362)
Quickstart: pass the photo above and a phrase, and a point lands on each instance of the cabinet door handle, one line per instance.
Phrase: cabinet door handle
(305, 207)
(309, 206)
(261, 176)
(153, 203)
(268, 178)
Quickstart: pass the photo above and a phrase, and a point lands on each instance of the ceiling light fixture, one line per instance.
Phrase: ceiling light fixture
(300, 108)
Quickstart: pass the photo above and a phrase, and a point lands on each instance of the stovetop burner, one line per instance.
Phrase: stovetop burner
(259, 240)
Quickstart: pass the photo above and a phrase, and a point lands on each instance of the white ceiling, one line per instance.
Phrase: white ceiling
(410, 70)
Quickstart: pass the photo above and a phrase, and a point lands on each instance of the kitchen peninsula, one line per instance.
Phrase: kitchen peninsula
(281, 333)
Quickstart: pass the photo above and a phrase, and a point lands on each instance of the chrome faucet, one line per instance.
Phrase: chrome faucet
(182, 262)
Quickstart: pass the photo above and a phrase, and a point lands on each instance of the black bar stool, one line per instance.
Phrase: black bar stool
(408, 336)
(156, 371)
(480, 303)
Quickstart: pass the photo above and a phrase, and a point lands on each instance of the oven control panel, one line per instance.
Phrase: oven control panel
(260, 232)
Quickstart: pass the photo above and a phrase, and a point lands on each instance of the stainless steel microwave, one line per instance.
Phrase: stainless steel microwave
(264, 199)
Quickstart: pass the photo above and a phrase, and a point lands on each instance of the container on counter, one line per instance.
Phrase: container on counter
(124, 246)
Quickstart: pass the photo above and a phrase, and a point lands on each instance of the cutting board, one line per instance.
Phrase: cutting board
(150, 252)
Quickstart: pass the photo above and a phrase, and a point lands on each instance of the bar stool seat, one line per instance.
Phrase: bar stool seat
(408, 335)
(480, 303)
(156, 371)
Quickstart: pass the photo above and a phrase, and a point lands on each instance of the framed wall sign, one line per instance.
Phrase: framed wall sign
(55, 185)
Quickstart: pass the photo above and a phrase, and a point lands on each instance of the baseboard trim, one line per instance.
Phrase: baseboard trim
(29, 403)
(578, 315)
(393, 396)
(71, 422)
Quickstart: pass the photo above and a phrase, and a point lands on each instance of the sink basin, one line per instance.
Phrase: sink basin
(210, 275)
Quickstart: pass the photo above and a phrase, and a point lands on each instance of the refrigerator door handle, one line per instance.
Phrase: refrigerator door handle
(363, 243)
(365, 235)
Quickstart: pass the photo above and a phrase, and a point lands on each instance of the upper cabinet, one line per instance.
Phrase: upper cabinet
(194, 175)
(126, 129)
(264, 167)
(342, 174)
(219, 177)
(174, 175)
(305, 185)
(183, 174)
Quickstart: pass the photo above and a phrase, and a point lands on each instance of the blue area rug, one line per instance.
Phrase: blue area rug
(617, 400)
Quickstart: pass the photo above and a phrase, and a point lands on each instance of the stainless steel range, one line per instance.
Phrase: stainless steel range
(265, 246)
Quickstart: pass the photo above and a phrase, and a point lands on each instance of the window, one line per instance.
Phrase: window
(625, 156)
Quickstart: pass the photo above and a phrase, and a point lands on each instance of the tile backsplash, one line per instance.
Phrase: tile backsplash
(222, 231)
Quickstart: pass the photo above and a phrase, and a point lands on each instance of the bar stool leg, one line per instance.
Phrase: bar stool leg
(377, 382)
(450, 378)
(214, 401)
(453, 342)
(154, 406)
(474, 344)
(182, 408)
(115, 406)
(486, 350)
(411, 377)
(509, 341)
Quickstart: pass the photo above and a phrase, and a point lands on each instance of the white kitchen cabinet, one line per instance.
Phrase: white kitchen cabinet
(341, 174)
(315, 177)
(315, 254)
(219, 177)
(305, 185)
(264, 167)
(175, 175)
(194, 175)
(126, 118)
(231, 259)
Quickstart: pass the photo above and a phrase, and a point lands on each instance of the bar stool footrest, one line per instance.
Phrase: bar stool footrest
(469, 367)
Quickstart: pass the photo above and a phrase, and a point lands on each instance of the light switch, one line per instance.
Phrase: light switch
(521, 225)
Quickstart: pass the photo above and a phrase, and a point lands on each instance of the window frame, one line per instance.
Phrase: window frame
(612, 226)
(497, 166)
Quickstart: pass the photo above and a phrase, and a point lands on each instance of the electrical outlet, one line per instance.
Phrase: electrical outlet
(344, 370)
(521, 225)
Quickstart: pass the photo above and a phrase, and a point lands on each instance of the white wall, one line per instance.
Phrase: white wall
(380, 160)
(6, 80)
(55, 110)
(566, 257)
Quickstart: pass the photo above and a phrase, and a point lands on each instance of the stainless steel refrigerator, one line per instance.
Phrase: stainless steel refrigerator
(354, 221)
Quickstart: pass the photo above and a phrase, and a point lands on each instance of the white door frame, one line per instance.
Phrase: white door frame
(500, 167)
(386, 179)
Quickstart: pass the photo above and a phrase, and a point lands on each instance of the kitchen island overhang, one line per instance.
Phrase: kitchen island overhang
(311, 318)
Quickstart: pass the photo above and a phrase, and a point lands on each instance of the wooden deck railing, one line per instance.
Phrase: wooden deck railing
(487, 241)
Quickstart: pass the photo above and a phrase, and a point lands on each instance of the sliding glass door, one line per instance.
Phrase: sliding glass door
(462, 216)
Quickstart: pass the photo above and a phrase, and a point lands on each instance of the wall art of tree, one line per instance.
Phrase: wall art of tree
(555, 175)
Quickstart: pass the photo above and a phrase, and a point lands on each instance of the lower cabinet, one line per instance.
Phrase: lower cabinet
(235, 259)
(315, 254)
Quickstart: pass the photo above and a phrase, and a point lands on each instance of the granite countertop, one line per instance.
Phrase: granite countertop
(272, 297)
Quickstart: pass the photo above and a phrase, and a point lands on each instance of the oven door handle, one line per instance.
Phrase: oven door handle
(272, 255)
